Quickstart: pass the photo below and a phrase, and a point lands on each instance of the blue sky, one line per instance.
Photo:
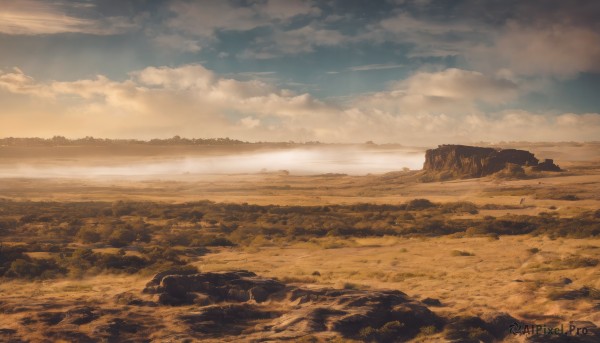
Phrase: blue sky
(413, 72)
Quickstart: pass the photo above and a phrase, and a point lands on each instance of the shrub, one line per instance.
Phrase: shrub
(34, 268)
(419, 204)
(568, 197)
(89, 235)
(460, 207)
(350, 285)
(579, 262)
(389, 332)
(121, 237)
(461, 253)
(219, 242)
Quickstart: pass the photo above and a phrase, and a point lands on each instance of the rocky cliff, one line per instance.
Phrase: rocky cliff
(462, 161)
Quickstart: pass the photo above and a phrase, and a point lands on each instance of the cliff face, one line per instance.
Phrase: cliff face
(469, 161)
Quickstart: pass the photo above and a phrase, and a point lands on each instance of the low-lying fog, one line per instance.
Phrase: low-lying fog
(301, 161)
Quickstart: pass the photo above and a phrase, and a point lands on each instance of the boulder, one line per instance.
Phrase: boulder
(236, 286)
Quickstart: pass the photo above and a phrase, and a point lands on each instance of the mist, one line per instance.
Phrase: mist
(303, 161)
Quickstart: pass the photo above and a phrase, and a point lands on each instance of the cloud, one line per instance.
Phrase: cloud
(192, 76)
(287, 9)
(368, 67)
(18, 83)
(402, 23)
(292, 42)
(427, 108)
(250, 122)
(188, 100)
(547, 39)
(552, 50)
(451, 91)
(33, 17)
(206, 17)
(460, 85)
(427, 36)
(177, 42)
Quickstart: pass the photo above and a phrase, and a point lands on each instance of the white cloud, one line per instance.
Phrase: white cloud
(19, 83)
(184, 77)
(552, 50)
(34, 17)
(459, 84)
(177, 42)
(250, 122)
(189, 99)
(451, 91)
(426, 109)
(368, 67)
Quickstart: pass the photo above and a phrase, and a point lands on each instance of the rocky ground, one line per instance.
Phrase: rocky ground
(241, 306)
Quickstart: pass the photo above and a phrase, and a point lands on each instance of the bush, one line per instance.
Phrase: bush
(568, 197)
(350, 285)
(389, 332)
(460, 207)
(419, 204)
(121, 237)
(573, 262)
(89, 235)
(121, 208)
(34, 268)
(83, 260)
(461, 253)
(128, 264)
(219, 242)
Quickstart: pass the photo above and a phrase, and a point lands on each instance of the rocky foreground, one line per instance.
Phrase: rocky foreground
(243, 307)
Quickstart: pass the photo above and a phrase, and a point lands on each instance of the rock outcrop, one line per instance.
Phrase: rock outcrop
(462, 161)
(262, 309)
(209, 288)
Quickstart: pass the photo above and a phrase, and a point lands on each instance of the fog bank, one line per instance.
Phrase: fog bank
(302, 161)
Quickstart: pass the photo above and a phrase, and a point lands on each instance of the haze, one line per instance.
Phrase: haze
(348, 160)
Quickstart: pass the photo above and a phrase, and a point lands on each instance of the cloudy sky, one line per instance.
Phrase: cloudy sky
(414, 72)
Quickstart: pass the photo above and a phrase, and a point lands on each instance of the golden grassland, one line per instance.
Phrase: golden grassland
(500, 275)
(504, 275)
(528, 276)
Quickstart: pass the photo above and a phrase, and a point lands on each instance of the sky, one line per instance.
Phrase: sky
(420, 72)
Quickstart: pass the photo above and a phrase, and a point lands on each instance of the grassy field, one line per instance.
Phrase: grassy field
(85, 247)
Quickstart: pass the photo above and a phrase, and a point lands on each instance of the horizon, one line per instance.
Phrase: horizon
(234, 140)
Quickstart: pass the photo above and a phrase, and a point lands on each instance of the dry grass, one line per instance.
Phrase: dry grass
(498, 276)
(520, 275)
